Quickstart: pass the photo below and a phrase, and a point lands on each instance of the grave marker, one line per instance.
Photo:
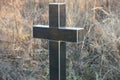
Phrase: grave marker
(58, 35)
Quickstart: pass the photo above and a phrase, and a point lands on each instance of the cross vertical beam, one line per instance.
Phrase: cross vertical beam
(57, 49)
(57, 58)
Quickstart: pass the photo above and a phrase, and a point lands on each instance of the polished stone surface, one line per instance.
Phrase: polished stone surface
(58, 34)
(57, 54)
(57, 15)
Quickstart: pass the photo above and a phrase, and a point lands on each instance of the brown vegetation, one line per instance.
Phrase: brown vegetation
(25, 58)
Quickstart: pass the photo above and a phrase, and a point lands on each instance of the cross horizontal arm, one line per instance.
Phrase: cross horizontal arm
(58, 34)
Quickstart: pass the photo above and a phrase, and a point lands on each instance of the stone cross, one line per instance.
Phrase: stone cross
(58, 35)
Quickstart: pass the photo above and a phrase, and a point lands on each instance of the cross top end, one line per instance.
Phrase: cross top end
(57, 15)
(56, 3)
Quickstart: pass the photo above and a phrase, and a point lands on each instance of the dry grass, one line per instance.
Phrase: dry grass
(96, 58)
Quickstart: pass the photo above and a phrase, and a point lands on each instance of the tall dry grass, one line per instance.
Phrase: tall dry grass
(96, 58)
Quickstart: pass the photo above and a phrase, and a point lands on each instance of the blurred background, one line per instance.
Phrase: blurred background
(24, 58)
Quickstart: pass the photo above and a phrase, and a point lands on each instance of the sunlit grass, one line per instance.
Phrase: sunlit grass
(97, 58)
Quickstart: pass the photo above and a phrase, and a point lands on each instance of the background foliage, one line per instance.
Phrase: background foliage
(25, 58)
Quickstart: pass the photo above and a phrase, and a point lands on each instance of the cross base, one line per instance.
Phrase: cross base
(57, 56)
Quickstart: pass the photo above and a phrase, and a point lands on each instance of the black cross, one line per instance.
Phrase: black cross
(58, 35)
